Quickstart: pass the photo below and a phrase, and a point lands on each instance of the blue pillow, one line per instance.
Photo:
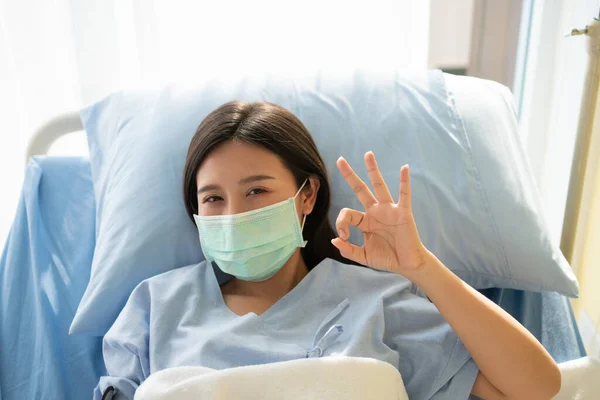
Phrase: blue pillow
(472, 209)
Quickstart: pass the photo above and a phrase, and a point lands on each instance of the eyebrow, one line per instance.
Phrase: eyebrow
(243, 181)
(254, 178)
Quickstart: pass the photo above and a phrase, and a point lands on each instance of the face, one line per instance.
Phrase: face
(237, 177)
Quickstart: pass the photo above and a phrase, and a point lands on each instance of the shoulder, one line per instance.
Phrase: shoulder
(180, 280)
(358, 279)
(156, 299)
(177, 273)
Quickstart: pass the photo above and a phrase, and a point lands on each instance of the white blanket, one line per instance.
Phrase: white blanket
(324, 378)
(311, 378)
(580, 379)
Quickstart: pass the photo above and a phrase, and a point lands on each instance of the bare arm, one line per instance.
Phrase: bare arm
(513, 364)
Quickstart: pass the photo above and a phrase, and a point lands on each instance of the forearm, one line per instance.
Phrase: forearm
(510, 358)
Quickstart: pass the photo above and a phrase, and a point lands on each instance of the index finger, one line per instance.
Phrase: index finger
(360, 188)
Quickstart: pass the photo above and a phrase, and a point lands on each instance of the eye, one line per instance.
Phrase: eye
(211, 199)
(256, 191)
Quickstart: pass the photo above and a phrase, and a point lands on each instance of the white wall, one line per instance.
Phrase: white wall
(495, 39)
(450, 24)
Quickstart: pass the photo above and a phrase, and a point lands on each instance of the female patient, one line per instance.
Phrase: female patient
(257, 189)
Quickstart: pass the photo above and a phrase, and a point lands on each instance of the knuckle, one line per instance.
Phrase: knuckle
(360, 218)
(378, 184)
(341, 216)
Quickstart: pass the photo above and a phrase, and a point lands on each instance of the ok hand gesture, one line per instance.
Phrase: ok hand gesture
(391, 239)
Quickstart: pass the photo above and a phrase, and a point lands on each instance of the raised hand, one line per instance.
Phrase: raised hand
(391, 239)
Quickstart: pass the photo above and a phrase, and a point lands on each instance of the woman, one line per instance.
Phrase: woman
(257, 189)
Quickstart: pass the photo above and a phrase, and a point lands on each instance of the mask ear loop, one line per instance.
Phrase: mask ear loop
(296, 195)
(301, 229)
(301, 187)
(304, 218)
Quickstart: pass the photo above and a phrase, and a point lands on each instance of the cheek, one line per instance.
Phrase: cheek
(200, 208)
(262, 200)
(208, 208)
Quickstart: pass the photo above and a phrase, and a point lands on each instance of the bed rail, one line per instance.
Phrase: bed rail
(49, 132)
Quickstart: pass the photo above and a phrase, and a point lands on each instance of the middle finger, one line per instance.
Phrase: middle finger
(381, 190)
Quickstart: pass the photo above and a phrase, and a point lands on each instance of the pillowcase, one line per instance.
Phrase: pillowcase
(486, 110)
(473, 208)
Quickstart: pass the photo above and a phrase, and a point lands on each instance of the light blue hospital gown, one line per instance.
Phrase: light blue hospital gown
(179, 318)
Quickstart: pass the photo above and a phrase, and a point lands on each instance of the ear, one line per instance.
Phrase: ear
(309, 195)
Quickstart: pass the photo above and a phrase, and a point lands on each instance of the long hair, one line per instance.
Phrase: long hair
(279, 131)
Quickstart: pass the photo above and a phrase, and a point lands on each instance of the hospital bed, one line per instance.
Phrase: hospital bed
(45, 267)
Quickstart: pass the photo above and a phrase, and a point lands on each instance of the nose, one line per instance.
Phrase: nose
(234, 207)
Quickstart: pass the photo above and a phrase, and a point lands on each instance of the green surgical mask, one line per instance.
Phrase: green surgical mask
(254, 245)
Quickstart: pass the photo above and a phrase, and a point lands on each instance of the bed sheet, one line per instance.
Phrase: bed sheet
(44, 270)
(45, 267)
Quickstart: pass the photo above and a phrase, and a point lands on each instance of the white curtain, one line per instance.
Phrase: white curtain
(554, 79)
(58, 55)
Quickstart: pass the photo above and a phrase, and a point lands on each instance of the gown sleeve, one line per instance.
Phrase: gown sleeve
(125, 348)
(433, 362)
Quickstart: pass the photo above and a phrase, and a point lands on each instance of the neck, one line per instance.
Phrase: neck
(276, 286)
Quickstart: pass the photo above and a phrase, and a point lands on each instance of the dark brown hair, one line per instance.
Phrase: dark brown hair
(278, 130)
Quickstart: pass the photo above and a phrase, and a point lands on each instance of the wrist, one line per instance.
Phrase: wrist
(430, 273)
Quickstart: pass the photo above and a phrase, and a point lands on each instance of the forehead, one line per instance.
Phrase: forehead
(235, 159)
